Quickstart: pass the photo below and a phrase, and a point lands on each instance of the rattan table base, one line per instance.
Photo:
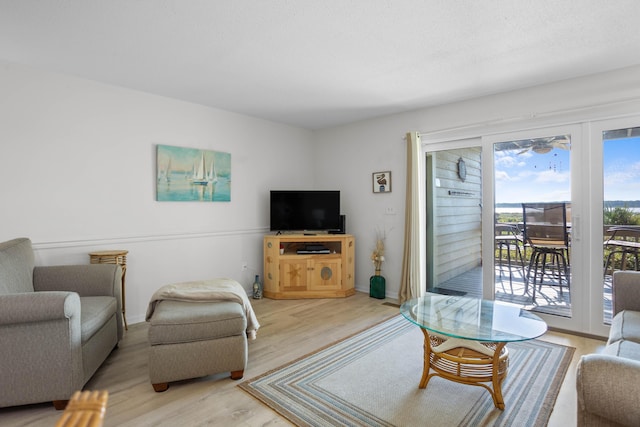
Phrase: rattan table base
(466, 364)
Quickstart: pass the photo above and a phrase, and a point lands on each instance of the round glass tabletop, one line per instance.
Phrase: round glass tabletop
(473, 318)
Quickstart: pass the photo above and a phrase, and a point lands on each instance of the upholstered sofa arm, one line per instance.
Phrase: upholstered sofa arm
(626, 291)
(33, 307)
(86, 279)
(41, 350)
(608, 388)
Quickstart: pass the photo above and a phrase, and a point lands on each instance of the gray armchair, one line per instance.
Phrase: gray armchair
(57, 325)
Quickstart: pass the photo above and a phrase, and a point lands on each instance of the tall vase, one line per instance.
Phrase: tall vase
(257, 288)
(377, 286)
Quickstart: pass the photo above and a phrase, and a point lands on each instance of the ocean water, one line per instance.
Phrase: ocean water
(178, 188)
(519, 210)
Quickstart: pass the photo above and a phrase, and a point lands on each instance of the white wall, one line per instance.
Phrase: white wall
(78, 174)
(347, 156)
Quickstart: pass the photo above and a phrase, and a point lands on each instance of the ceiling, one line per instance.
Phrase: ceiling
(321, 63)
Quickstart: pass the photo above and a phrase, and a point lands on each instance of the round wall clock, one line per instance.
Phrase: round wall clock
(462, 169)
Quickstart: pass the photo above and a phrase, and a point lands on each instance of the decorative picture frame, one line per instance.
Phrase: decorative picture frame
(192, 175)
(381, 182)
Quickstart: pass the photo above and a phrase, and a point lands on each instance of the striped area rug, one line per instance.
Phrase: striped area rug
(371, 379)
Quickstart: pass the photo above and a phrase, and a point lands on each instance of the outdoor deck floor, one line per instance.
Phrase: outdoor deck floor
(549, 297)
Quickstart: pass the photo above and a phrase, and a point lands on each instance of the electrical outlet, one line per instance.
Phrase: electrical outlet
(390, 210)
(244, 266)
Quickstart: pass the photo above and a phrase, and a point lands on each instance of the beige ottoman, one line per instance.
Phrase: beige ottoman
(195, 339)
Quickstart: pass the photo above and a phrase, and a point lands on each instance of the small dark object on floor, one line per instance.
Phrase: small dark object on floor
(444, 291)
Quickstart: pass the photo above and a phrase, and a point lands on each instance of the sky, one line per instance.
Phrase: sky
(622, 169)
(531, 177)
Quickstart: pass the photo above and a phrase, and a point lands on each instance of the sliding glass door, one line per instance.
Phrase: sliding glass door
(477, 240)
(552, 212)
(454, 218)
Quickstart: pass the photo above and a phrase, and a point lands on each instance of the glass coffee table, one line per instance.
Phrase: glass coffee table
(465, 338)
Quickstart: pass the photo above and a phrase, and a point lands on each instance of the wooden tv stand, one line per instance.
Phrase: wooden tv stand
(289, 274)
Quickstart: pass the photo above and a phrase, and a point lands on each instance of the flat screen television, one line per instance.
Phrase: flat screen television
(304, 210)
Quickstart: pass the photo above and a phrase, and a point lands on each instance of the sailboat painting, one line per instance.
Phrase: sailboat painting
(191, 174)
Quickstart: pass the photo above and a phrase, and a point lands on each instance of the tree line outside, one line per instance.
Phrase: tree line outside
(615, 213)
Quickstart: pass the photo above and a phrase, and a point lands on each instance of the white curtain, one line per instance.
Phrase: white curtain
(412, 284)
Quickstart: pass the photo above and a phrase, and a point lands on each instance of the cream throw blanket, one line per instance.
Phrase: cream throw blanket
(207, 291)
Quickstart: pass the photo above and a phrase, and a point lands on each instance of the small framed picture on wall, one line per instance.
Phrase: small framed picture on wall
(382, 182)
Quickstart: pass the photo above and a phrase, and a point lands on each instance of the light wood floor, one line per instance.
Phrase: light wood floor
(289, 329)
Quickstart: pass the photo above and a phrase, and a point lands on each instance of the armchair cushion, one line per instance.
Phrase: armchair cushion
(625, 326)
(623, 348)
(626, 295)
(96, 311)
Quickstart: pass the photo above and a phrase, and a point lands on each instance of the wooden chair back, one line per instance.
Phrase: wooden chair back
(85, 409)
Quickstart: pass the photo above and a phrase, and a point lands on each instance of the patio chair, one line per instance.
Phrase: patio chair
(545, 231)
(624, 241)
(509, 238)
